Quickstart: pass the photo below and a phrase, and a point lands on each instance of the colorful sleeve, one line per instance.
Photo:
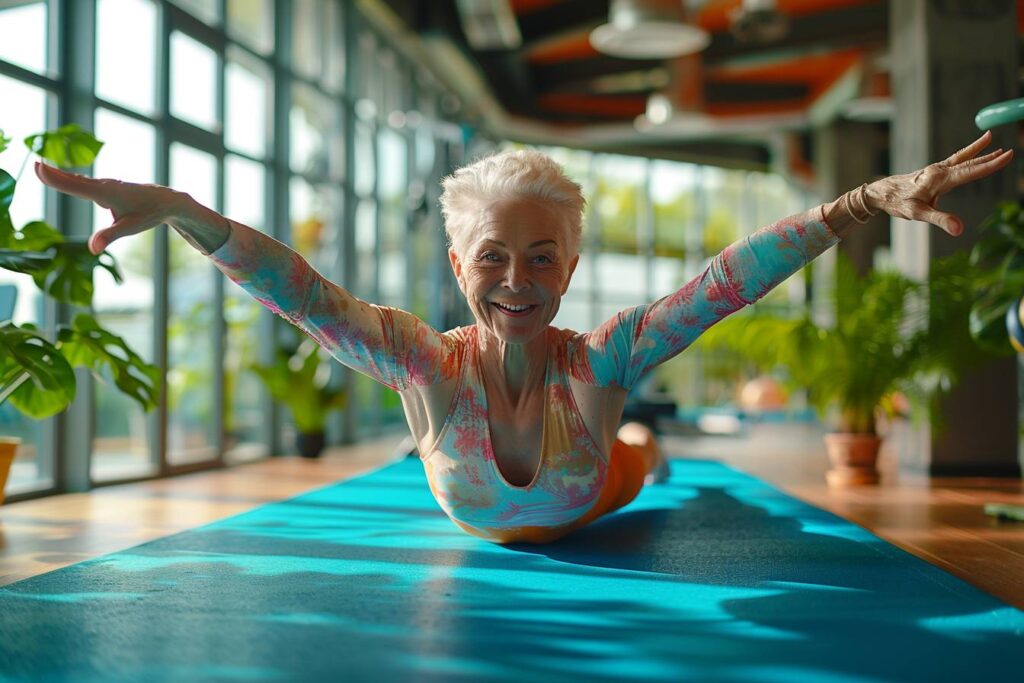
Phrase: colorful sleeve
(633, 342)
(390, 345)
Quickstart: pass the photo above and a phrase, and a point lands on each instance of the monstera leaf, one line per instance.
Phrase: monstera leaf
(34, 375)
(67, 147)
(25, 261)
(7, 183)
(69, 279)
(86, 344)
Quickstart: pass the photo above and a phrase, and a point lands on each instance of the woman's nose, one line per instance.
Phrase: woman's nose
(516, 278)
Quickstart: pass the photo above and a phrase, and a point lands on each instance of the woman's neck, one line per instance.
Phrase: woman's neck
(519, 368)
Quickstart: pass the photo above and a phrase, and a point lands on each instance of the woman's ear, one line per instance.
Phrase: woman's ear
(453, 258)
(568, 276)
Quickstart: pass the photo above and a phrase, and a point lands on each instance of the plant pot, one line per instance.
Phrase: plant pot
(310, 445)
(8, 449)
(854, 459)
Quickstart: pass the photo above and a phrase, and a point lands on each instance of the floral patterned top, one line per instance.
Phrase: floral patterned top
(401, 351)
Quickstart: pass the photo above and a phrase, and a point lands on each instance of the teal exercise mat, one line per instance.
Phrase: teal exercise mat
(713, 576)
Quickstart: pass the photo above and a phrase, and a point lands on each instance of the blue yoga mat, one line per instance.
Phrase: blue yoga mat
(712, 576)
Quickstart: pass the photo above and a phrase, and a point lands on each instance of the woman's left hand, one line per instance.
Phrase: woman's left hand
(914, 195)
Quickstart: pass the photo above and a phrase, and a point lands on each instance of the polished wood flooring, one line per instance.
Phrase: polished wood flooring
(939, 520)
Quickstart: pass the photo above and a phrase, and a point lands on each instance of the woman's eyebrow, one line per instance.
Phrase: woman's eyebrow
(530, 246)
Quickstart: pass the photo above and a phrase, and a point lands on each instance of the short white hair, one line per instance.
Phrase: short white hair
(516, 174)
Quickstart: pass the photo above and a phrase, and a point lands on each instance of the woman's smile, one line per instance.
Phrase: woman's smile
(514, 310)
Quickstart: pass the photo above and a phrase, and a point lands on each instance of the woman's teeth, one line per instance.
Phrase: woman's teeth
(513, 309)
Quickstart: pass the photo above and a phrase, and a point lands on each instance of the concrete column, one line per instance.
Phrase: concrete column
(949, 59)
(845, 156)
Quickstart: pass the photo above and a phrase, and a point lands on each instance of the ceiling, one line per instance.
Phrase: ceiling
(735, 102)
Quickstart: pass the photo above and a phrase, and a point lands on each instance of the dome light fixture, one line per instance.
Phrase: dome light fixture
(648, 29)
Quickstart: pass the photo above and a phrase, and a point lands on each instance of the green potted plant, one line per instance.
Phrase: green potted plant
(36, 375)
(300, 379)
(885, 346)
(999, 254)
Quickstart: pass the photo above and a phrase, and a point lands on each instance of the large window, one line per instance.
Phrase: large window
(120, 445)
(33, 467)
(651, 226)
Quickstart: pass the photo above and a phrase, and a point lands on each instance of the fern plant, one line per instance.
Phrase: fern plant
(891, 335)
(1000, 255)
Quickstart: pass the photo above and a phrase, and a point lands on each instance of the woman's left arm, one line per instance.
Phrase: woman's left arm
(635, 340)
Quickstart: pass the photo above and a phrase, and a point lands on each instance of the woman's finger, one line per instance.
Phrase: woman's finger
(970, 150)
(71, 183)
(982, 166)
(132, 224)
(947, 221)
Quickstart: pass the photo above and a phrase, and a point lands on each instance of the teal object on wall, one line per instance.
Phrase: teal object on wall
(711, 576)
(1000, 113)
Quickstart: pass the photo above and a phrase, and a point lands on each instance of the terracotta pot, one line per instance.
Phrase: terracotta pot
(854, 458)
(8, 448)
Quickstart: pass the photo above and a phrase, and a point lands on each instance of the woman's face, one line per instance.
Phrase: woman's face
(515, 267)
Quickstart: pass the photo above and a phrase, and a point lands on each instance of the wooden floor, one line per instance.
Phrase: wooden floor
(940, 521)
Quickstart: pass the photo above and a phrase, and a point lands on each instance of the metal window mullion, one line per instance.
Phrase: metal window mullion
(73, 429)
(158, 419)
(348, 419)
(278, 182)
(645, 234)
(218, 423)
(594, 243)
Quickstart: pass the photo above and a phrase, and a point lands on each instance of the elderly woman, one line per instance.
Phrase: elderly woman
(517, 421)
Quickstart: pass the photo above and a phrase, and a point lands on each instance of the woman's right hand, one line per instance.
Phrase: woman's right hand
(135, 207)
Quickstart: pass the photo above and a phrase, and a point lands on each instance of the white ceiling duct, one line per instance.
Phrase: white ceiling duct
(648, 29)
(489, 24)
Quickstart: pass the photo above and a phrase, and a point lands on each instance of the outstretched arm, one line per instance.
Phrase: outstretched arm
(387, 344)
(634, 341)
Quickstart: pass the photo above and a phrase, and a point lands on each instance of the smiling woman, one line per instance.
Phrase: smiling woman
(517, 421)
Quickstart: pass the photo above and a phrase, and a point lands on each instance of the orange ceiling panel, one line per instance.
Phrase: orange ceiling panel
(563, 48)
(714, 16)
(528, 6)
(810, 69)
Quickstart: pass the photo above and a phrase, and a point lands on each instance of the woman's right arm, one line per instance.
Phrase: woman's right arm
(391, 346)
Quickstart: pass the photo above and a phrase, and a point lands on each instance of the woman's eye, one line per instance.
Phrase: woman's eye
(542, 259)
(489, 256)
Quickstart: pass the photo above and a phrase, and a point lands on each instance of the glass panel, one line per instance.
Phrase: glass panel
(334, 69)
(120, 445)
(673, 199)
(724, 201)
(618, 199)
(245, 423)
(316, 140)
(32, 468)
(193, 82)
(315, 212)
(368, 86)
(573, 314)
(366, 250)
(252, 22)
(669, 275)
(190, 375)
(392, 188)
(622, 277)
(364, 170)
(205, 10)
(307, 37)
(23, 34)
(126, 53)
(245, 104)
